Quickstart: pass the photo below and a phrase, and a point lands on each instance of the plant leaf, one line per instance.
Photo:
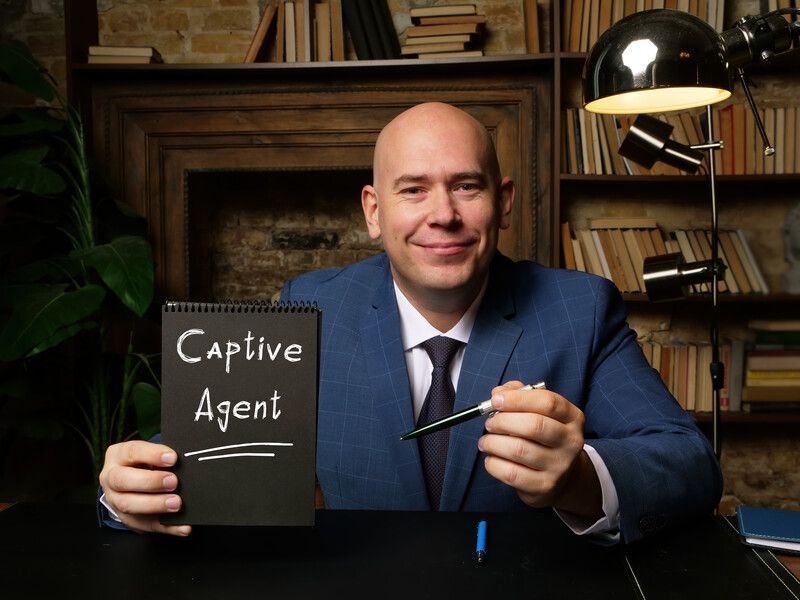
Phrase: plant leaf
(147, 404)
(126, 266)
(23, 70)
(38, 311)
(62, 334)
(25, 121)
(23, 170)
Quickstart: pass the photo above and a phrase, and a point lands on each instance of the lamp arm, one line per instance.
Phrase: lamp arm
(769, 149)
(759, 38)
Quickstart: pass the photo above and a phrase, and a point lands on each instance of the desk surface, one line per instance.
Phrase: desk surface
(50, 553)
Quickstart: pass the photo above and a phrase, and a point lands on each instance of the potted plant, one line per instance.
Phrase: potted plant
(76, 271)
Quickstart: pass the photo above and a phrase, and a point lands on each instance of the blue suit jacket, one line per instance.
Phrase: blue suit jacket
(562, 327)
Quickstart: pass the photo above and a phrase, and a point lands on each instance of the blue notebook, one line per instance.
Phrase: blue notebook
(770, 527)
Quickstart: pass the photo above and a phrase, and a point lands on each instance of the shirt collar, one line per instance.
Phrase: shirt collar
(415, 329)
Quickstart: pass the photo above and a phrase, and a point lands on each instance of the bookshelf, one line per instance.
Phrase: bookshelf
(549, 195)
(753, 199)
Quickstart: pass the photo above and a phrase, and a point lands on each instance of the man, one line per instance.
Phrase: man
(605, 444)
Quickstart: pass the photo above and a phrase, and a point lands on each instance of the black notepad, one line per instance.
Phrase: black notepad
(239, 406)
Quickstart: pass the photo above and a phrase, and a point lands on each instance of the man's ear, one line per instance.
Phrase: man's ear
(369, 204)
(507, 194)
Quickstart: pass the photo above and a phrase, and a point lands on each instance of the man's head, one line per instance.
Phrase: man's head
(438, 202)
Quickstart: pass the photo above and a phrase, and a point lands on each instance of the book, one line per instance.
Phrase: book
(736, 375)
(444, 10)
(447, 20)
(322, 32)
(239, 406)
(774, 324)
(566, 247)
(371, 28)
(438, 39)
(147, 51)
(407, 50)
(257, 46)
(119, 60)
(773, 360)
(734, 262)
(290, 32)
(769, 527)
(771, 393)
(352, 20)
(280, 32)
(456, 54)
(450, 29)
(744, 258)
(622, 223)
(386, 32)
(531, 10)
(337, 31)
(751, 259)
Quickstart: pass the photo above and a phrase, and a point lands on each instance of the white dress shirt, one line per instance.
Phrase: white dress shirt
(415, 329)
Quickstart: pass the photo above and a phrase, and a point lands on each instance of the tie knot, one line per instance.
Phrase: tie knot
(441, 350)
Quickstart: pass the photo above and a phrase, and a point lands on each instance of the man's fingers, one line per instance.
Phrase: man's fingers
(543, 402)
(536, 484)
(132, 504)
(131, 479)
(530, 426)
(143, 524)
(141, 453)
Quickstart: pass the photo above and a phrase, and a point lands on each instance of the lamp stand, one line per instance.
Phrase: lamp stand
(716, 367)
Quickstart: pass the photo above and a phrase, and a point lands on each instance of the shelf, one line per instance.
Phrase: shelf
(764, 418)
(449, 65)
(681, 179)
(725, 298)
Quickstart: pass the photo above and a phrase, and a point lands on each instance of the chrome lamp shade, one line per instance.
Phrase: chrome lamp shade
(655, 61)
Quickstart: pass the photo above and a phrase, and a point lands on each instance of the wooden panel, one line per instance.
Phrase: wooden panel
(149, 134)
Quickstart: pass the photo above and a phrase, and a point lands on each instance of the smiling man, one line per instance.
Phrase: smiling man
(442, 321)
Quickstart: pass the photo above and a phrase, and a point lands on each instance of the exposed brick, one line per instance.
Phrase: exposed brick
(229, 20)
(304, 240)
(43, 24)
(170, 19)
(221, 43)
(46, 44)
(127, 19)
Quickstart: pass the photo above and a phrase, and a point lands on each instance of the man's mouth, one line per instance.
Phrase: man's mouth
(446, 248)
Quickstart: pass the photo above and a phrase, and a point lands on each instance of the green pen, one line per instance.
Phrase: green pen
(484, 408)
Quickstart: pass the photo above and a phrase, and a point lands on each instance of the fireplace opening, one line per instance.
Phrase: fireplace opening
(250, 231)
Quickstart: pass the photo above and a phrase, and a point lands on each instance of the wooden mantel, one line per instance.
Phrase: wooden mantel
(153, 125)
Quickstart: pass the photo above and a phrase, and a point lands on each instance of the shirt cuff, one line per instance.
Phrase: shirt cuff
(606, 528)
(110, 510)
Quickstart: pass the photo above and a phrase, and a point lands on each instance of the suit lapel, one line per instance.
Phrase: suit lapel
(489, 349)
(390, 390)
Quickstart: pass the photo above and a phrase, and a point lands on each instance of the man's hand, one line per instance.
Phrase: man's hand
(137, 492)
(535, 445)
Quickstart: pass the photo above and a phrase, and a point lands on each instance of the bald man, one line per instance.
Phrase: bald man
(605, 444)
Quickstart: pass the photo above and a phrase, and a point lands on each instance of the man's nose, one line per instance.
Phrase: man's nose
(443, 209)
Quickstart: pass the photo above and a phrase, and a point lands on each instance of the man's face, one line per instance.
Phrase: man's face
(436, 204)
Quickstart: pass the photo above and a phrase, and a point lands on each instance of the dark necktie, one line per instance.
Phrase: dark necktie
(438, 403)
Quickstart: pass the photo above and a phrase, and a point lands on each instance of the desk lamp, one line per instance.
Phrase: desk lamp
(665, 60)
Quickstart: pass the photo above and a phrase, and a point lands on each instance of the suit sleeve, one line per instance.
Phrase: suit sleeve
(662, 465)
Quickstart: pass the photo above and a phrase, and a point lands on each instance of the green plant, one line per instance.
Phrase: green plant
(76, 268)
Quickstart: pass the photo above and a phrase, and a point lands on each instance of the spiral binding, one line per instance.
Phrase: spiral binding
(238, 306)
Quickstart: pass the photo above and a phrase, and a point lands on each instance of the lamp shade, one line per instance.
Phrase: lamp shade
(656, 61)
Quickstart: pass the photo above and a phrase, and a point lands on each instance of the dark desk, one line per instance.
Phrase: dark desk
(46, 553)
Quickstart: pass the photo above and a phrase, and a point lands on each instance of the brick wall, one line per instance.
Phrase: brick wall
(206, 31)
(254, 249)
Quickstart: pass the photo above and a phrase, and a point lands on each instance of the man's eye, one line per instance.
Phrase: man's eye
(467, 187)
(412, 191)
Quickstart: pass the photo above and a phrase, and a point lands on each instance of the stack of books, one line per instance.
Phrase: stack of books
(581, 27)
(772, 376)
(300, 31)
(684, 369)
(454, 30)
(615, 248)
(592, 141)
(127, 55)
